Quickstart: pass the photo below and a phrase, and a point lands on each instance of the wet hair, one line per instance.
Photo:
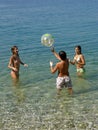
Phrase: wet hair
(79, 47)
(62, 55)
(12, 49)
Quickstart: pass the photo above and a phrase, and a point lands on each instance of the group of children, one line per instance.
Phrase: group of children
(63, 78)
(62, 67)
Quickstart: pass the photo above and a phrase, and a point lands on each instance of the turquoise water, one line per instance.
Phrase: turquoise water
(33, 103)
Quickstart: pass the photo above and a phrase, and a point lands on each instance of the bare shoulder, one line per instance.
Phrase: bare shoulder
(11, 57)
(82, 56)
(58, 64)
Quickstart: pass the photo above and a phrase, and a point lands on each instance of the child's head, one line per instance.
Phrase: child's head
(14, 49)
(78, 49)
(62, 55)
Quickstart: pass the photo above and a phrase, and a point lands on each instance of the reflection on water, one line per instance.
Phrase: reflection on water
(42, 109)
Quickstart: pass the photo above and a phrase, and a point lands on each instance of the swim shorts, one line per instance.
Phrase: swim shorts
(63, 82)
(81, 70)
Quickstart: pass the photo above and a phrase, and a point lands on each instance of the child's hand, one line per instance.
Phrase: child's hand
(15, 69)
(25, 65)
(51, 63)
(52, 49)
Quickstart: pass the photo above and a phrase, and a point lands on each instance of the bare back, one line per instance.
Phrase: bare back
(63, 68)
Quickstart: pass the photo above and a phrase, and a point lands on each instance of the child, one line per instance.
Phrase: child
(62, 67)
(79, 61)
(14, 63)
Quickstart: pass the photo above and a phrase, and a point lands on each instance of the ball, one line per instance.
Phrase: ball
(47, 40)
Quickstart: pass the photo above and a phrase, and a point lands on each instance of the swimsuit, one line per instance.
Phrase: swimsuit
(77, 59)
(63, 81)
(81, 70)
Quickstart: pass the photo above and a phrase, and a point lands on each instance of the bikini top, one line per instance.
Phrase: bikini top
(77, 59)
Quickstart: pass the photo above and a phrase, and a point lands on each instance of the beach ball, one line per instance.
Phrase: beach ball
(47, 40)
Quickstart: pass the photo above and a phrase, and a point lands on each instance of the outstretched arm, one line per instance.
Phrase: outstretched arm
(72, 62)
(23, 64)
(56, 54)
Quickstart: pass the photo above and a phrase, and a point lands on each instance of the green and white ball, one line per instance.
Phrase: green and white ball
(47, 40)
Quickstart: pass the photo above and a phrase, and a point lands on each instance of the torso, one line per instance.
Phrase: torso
(16, 62)
(77, 58)
(63, 68)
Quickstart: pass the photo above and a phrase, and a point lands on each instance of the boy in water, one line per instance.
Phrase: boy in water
(14, 63)
(62, 67)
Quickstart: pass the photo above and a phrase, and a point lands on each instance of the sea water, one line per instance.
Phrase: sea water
(33, 103)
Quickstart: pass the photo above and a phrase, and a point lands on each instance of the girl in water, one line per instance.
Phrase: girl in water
(14, 63)
(79, 61)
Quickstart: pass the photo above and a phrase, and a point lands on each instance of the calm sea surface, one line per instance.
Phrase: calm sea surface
(33, 104)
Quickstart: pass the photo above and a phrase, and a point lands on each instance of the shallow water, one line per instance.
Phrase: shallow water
(33, 104)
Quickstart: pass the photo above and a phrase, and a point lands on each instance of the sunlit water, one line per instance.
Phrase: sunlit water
(33, 104)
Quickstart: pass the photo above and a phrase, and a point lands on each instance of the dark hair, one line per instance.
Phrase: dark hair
(79, 47)
(12, 49)
(62, 55)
